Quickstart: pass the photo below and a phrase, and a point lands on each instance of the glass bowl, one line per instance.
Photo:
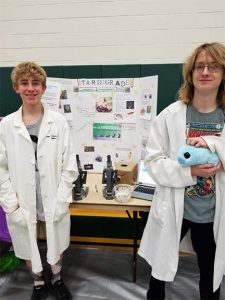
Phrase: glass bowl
(123, 192)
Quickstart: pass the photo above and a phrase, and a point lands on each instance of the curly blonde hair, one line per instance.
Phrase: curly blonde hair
(28, 69)
(217, 51)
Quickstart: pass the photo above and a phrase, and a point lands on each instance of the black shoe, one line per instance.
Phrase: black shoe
(40, 292)
(60, 291)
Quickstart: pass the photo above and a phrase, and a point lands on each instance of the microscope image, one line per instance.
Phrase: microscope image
(109, 177)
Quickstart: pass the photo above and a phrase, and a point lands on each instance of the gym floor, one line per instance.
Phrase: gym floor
(100, 273)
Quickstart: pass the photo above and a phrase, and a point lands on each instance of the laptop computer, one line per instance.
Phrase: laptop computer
(145, 187)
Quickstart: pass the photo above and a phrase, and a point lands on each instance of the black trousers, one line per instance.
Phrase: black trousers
(204, 245)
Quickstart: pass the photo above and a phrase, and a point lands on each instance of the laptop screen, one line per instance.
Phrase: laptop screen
(143, 176)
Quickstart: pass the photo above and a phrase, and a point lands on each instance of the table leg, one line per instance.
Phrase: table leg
(135, 221)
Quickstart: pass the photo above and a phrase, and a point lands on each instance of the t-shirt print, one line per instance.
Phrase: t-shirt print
(204, 186)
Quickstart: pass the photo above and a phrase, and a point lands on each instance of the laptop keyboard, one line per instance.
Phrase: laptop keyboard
(143, 192)
(144, 189)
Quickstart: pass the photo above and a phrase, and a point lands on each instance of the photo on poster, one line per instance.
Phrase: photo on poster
(146, 105)
(89, 149)
(104, 104)
(66, 108)
(63, 95)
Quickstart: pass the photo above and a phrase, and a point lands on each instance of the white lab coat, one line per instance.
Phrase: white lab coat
(57, 168)
(161, 238)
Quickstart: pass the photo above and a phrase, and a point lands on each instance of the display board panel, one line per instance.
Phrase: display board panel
(107, 116)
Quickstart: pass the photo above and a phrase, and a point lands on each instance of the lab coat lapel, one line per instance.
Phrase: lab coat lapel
(177, 120)
(45, 126)
(19, 124)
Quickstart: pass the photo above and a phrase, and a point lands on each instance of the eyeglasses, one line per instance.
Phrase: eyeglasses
(212, 68)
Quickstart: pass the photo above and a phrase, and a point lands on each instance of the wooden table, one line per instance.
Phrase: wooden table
(95, 200)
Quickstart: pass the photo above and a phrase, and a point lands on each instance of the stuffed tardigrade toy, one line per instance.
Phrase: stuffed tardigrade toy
(191, 156)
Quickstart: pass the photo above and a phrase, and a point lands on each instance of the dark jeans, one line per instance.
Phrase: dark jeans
(4, 247)
(204, 245)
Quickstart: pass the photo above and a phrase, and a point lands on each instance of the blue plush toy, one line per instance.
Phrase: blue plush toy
(191, 156)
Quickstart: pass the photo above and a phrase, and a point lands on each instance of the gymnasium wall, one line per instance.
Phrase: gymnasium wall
(106, 32)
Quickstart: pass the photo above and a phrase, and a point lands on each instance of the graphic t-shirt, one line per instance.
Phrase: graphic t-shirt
(199, 199)
(34, 132)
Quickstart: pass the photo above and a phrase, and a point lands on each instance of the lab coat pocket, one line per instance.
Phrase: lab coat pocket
(19, 233)
(159, 206)
(61, 209)
(16, 218)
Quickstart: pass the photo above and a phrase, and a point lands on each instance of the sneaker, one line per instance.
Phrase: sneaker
(60, 291)
(40, 292)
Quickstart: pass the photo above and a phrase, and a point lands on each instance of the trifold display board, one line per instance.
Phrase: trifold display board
(108, 116)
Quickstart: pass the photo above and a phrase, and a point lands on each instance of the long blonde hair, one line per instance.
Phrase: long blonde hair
(217, 51)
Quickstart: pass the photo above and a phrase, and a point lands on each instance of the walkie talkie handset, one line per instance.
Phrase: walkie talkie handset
(109, 177)
(79, 192)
